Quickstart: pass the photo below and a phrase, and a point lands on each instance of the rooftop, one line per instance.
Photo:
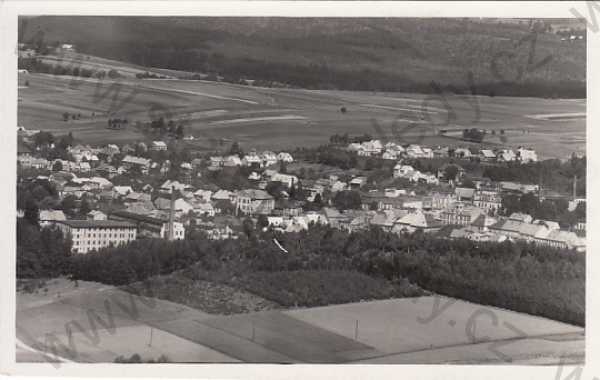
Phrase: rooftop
(96, 224)
(138, 217)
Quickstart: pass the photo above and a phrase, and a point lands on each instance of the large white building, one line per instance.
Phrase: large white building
(90, 235)
(253, 201)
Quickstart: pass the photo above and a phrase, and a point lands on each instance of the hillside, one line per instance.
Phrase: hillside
(348, 54)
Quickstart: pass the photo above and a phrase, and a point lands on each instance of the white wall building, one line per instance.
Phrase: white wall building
(89, 235)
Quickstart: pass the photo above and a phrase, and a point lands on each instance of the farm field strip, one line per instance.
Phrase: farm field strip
(294, 338)
(429, 109)
(264, 118)
(204, 94)
(559, 116)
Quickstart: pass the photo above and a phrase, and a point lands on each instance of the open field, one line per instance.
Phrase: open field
(105, 325)
(266, 118)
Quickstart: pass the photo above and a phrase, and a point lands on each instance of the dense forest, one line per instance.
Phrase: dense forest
(350, 54)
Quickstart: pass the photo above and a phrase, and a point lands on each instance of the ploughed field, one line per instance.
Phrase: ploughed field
(269, 118)
(106, 322)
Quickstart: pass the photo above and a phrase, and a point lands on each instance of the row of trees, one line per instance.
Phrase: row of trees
(473, 134)
(41, 253)
(117, 123)
(51, 147)
(345, 139)
(547, 209)
(161, 127)
(36, 65)
(551, 174)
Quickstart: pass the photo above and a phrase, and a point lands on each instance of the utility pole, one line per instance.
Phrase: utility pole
(151, 335)
(574, 187)
(356, 330)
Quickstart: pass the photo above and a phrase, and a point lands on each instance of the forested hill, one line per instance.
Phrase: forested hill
(354, 54)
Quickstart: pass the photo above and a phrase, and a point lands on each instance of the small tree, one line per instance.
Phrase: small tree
(85, 208)
(113, 74)
(248, 227)
(179, 131)
(236, 149)
(450, 172)
(57, 166)
(263, 221)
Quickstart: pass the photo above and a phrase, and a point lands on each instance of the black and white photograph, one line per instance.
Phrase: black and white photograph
(299, 190)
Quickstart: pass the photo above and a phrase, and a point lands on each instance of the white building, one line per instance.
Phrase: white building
(526, 155)
(268, 158)
(462, 153)
(89, 235)
(286, 179)
(253, 201)
(252, 159)
(158, 145)
(49, 217)
(370, 148)
(131, 161)
(506, 155)
(96, 215)
(403, 171)
(285, 157)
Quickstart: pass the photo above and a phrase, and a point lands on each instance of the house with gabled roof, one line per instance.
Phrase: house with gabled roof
(49, 217)
(416, 220)
(158, 146)
(487, 155)
(253, 201)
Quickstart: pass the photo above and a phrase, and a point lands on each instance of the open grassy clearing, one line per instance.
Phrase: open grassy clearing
(406, 325)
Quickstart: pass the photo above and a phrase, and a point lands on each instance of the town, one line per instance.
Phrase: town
(110, 195)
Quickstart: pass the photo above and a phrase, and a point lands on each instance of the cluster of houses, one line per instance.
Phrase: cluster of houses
(252, 159)
(394, 151)
(174, 206)
(522, 227)
(413, 175)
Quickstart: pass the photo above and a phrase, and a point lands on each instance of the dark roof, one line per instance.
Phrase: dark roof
(138, 217)
(287, 203)
(97, 224)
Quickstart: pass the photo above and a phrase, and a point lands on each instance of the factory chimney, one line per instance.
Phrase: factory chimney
(171, 235)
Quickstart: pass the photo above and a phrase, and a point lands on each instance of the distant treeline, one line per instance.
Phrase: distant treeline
(360, 54)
